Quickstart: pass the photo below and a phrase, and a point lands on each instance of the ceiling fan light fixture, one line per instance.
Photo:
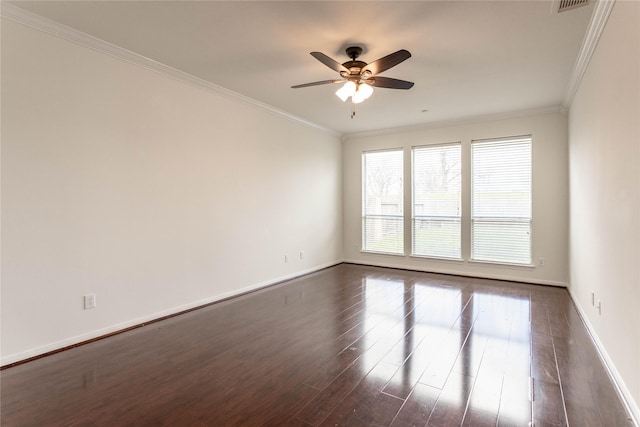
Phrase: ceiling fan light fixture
(359, 77)
(349, 89)
(364, 91)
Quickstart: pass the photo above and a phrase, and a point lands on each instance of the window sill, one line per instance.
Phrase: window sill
(503, 264)
(435, 258)
(382, 253)
(456, 260)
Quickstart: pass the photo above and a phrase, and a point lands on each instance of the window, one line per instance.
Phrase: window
(501, 200)
(383, 202)
(436, 201)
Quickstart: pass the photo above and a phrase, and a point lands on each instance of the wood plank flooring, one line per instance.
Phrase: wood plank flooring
(347, 346)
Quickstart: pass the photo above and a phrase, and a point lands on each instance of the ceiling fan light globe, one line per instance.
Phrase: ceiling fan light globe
(343, 96)
(349, 89)
(357, 99)
(364, 92)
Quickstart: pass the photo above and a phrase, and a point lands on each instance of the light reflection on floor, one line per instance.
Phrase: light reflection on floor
(475, 346)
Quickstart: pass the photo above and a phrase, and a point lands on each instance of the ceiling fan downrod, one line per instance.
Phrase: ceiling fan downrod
(353, 52)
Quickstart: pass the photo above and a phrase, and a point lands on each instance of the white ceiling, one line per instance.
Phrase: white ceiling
(470, 58)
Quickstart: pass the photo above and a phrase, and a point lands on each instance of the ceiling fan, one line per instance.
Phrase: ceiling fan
(360, 77)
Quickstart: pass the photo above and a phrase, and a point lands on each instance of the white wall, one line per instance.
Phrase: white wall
(604, 145)
(158, 195)
(153, 193)
(550, 195)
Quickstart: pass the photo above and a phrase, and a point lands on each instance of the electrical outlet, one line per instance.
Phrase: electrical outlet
(89, 301)
(541, 262)
(301, 255)
(286, 258)
(593, 298)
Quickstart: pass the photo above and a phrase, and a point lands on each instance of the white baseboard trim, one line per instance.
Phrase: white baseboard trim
(621, 387)
(460, 273)
(143, 320)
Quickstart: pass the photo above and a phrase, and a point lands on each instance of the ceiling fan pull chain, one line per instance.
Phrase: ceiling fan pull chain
(353, 110)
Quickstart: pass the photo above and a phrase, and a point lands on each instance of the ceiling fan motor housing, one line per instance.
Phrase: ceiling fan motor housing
(355, 67)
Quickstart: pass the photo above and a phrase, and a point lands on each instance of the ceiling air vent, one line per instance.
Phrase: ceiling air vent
(564, 5)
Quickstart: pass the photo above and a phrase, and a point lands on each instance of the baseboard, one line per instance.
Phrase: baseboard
(621, 387)
(78, 340)
(453, 272)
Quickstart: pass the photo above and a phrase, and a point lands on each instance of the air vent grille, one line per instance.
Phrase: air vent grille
(571, 4)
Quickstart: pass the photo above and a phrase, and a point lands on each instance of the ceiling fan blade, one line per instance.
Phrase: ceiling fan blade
(331, 63)
(390, 83)
(387, 62)
(323, 82)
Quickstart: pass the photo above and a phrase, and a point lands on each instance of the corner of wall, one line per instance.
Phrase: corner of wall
(619, 383)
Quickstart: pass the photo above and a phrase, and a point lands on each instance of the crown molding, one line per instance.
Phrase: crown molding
(556, 109)
(21, 16)
(599, 17)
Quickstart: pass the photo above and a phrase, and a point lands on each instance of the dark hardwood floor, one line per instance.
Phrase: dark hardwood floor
(348, 346)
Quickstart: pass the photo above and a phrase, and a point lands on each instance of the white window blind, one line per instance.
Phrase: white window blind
(501, 200)
(436, 201)
(382, 204)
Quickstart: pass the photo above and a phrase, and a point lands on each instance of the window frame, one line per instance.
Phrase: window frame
(501, 219)
(447, 218)
(364, 216)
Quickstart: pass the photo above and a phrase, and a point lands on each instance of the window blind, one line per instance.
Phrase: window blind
(501, 200)
(436, 201)
(383, 202)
